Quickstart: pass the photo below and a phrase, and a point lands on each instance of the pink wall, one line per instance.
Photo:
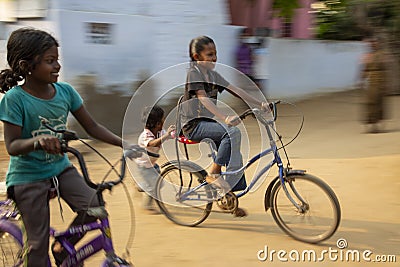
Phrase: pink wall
(258, 13)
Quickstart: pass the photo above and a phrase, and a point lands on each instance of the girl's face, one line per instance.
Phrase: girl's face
(47, 70)
(159, 125)
(208, 56)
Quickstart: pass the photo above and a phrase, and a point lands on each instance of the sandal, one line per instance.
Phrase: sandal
(217, 180)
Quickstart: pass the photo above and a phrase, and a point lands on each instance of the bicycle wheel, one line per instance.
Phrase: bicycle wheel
(319, 215)
(185, 202)
(10, 245)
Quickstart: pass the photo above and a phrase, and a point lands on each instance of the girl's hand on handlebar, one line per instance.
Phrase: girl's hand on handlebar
(48, 143)
(232, 120)
(135, 151)
(265, 107)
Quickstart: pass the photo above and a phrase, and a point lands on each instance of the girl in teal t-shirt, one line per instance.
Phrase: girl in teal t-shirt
(32, 56)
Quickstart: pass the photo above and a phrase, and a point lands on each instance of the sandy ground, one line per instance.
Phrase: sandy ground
(363, 169)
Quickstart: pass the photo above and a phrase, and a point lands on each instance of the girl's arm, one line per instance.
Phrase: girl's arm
(95, 129)
(240, 93)
(158, 141)
(230, 120)
(202, 96)
(15, 145)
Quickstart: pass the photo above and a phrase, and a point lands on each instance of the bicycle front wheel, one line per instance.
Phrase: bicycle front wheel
(317, 216)
(184, 201)
(10, 245)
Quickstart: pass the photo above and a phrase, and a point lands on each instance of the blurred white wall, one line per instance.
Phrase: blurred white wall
(150, 35)
(299, 68)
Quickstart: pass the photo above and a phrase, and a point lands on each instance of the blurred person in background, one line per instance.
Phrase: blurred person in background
(260, 56)
(373, 83)
(244, 55)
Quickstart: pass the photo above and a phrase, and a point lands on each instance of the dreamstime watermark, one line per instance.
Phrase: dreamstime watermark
(341, 253)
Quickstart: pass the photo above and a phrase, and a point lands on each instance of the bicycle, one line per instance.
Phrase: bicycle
(303, 205)
(12, 247)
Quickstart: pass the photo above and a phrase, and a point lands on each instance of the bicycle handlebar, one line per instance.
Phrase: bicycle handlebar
(257, 113)
(133, 151)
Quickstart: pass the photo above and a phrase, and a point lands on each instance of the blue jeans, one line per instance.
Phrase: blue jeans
(228, 141)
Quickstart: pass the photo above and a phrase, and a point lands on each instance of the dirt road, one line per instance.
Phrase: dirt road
(363, 169)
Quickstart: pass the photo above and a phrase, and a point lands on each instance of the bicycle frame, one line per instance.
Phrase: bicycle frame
(100, 242)
(276, 160)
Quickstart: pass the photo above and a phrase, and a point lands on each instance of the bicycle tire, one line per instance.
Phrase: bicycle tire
(186, 212)
(11, 244)
(321, 217)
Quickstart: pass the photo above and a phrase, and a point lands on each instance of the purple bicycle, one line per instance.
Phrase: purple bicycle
(12, 247)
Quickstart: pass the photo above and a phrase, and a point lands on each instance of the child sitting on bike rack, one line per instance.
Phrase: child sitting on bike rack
(200, 111)
(32, 93)
(151, 139)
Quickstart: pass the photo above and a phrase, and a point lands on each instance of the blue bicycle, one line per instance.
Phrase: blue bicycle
(12, 246)
(303, 205)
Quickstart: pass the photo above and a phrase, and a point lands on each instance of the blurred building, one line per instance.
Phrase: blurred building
(261, 19)
(107, 48)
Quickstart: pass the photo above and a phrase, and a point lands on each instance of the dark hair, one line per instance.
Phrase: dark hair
(152, 116)
(197, 45)
(26, 44)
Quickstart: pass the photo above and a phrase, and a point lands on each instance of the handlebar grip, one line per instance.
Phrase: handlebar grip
(273, 108)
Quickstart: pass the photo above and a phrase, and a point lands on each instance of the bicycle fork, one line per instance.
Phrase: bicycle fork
(285, 178)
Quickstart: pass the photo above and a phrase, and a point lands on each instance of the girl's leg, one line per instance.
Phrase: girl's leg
(79, 196)
(228, 141)
(215, 132)
(33, 203)
(149, 176)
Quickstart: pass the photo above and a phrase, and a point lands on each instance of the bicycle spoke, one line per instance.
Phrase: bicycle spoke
(318, 221)
(184, 201)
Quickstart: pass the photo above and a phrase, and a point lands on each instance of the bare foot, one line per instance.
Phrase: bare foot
(57, 247)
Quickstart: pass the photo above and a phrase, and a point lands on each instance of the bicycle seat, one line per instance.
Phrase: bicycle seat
(183, 139)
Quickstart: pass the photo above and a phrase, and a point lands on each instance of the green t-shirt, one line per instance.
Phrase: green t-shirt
(22, 109)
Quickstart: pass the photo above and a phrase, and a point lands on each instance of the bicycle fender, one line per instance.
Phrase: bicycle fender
(13, 229)
(267, 198)
(268, 193)
(183, 164)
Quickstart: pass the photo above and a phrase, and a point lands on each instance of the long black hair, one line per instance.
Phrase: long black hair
(24, 44)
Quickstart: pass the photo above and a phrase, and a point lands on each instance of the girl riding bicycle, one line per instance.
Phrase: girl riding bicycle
(32, 94)
(202, 87)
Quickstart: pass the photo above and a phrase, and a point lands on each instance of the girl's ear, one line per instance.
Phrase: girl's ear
(24, 66)
(196, 56)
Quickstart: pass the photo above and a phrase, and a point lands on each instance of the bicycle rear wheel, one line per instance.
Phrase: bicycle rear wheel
(184, 201)
(10, 245)
(319, 215)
